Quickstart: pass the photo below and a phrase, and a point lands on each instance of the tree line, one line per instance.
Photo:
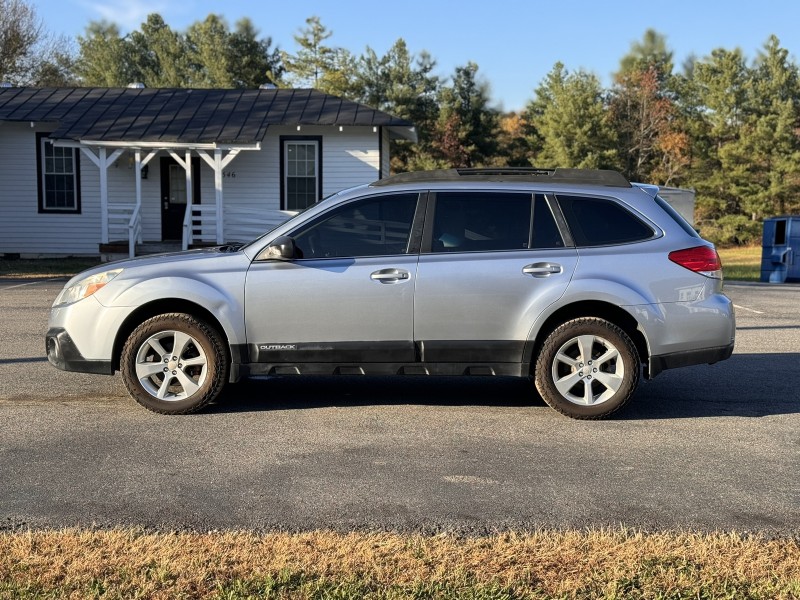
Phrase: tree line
(727, 126)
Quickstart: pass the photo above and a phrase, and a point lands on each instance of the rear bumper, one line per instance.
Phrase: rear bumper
(64, 354)
(687, 358)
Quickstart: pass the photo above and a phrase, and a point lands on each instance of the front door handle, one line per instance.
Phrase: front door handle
(389, 275)
(542, 269)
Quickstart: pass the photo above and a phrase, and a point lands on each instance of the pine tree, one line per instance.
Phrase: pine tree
(104, 59)
(467, 127)
(313, 59)
(571, 126)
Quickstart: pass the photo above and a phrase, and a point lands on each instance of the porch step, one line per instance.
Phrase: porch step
(157, 247)
(119, 249)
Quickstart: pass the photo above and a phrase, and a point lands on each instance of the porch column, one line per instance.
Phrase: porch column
(140, 162)
(186, 163)
(218, 193)
(103, 195)
(218, 163)
(186, 238)
(102, 162)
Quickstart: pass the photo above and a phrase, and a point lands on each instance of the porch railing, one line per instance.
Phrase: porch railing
(245, 223)
(200, 225)
(125, 223)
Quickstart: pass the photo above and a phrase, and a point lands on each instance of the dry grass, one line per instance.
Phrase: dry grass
(741, 263)
(25, 268)
(596, 564)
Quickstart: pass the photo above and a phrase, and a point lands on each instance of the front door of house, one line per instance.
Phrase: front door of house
(173, 196)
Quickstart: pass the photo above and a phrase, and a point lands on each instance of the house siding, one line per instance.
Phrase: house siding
(251, 192)
(349, 158)
(23, 229)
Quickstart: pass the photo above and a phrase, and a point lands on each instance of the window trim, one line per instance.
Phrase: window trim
(41, 140)
(283, 140)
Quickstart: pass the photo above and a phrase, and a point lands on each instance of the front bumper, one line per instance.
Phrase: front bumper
(64, 354)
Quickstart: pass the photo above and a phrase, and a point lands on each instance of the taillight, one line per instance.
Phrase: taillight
(701, 259)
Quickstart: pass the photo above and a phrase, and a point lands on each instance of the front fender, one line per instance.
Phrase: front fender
(224, 297)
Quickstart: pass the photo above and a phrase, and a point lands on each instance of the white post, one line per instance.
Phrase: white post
(103, 196)
(137, 175)
(187, 217)
(218, 189)
(218, 163)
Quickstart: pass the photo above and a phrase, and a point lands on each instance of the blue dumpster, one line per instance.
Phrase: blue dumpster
(780, 250)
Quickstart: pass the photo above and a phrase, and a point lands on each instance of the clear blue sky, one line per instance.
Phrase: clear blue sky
(515, 43)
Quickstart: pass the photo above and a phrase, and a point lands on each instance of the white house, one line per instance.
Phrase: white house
(85, 170)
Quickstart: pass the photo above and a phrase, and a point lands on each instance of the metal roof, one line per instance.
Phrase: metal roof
(185, 115)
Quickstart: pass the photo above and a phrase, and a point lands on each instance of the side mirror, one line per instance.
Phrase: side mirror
(281, 248)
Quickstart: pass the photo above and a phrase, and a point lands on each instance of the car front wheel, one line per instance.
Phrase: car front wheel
(174, 364)
(588, 368)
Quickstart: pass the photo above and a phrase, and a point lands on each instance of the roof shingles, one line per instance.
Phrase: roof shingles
(181, 115)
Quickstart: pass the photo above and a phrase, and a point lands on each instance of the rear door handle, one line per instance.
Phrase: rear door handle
(542, 269)
(390, 275)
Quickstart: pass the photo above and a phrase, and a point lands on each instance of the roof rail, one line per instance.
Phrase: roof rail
(517, 174)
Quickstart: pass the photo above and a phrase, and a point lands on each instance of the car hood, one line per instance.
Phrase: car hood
(195, 260)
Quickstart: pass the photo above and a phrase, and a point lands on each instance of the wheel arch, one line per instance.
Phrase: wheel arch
(588, 308)
(160, 307)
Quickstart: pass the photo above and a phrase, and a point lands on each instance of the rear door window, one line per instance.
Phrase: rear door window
(602, 222)
(481, 221)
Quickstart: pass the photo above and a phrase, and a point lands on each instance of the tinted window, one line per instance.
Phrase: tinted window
(481, 221)
(545, 230)
(599, 222)
(373, 227)
(676, 216)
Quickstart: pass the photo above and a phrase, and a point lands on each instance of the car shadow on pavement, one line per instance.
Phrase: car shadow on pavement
(293, 393)
(746, 385)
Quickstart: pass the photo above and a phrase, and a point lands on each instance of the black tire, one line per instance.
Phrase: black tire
(570, 378)
(151, 367)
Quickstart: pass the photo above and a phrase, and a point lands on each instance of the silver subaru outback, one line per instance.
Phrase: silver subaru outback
(575, 279)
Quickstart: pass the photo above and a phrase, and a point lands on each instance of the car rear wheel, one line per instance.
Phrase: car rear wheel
(588, 368)
(174, 364)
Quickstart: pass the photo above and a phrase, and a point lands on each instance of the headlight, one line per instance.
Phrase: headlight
(85, 287)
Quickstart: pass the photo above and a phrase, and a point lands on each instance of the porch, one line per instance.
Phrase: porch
(195, 223)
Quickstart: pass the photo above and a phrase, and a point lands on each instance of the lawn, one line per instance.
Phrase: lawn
(323, 564)
(741, 263)
(45, 267)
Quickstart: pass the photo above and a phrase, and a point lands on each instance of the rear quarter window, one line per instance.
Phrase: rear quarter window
(602, 222)
(676, 216)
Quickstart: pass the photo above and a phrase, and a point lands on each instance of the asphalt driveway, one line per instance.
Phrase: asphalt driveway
(703, 448)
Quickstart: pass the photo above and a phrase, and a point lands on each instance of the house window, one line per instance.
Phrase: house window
(301, 172)
(59, 177)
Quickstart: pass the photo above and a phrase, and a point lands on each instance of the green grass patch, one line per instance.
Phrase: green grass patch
(23, 268)
(741, 263)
